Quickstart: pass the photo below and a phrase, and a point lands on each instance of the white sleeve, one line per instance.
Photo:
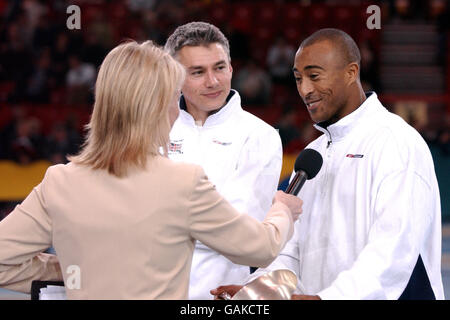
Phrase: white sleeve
(383, 268)
(253, 184)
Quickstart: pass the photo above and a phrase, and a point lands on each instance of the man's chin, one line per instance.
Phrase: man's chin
(315, 117)
(214, 107)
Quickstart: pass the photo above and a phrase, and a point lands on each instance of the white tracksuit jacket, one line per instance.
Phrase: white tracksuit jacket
(242, 156)
(373, 208)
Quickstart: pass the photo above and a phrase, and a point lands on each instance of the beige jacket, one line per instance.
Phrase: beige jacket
(132, 237)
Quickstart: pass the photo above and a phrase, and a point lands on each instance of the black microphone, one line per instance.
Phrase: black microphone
(306, 167)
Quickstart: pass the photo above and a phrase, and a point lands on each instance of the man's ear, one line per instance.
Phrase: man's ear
(231, 68)
(352, 72)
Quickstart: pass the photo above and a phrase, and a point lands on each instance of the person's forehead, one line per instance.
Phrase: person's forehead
(202, 55)
(321, 53)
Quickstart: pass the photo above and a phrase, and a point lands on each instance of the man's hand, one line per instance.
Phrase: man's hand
(230, 289)
(304, 297)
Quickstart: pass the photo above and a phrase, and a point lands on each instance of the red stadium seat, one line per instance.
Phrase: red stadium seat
(280, 94)
(219, 13)
(318, 18)
(264, 35)
(5, 116)
(344, 18)
(267, 14)
(117, 11)
(6, 88)
(294, 35)
(242, 15)
(3, 7)
(293, 13)
(89, 12)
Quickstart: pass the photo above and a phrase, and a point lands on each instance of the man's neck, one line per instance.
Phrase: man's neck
(200, 116)
(355, 100)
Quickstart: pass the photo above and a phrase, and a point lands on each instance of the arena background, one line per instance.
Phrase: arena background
(48, 66)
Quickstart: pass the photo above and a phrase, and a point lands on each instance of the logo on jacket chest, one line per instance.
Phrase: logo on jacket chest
(176, 147)
(222, 143)
(350, 155)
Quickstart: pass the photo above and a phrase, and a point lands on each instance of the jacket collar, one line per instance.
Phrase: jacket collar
(233, 103)
(341, 128)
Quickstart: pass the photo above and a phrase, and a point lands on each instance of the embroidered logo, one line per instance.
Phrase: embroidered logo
(349, 155)
(176, 146)
(221, 143)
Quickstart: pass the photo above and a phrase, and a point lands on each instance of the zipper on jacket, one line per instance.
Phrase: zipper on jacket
(330, 140)
(326, 162)
(329, 143)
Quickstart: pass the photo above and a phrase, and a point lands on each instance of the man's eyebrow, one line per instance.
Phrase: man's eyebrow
(308, 67)
(203, 67)
(195, 68)
(313, 67)
(220, 62)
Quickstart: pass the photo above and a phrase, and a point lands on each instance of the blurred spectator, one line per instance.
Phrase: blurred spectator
(369, 67)
(439, 138)
(80, 81)
(15, 60)
(287, 126)
(25, 31)
(93, 51)
(409, 10)
(170, 16)
(27, 144)
(239, 43)
(443, 140)
(63, 140)
(44, 33)
(102, 29)
(280, 59)
(307, 134)
(7, 207)
(440, 13)
(39, 82)
(60, 53)
(140, 5)
(8, 133)
(34, 9)
(436, 8)
(413, 112)
(253, 84)
(151, 27)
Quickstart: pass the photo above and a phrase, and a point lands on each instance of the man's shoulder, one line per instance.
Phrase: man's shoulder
(396, 141)
(392, 127)
(255, 123)
(178, 167)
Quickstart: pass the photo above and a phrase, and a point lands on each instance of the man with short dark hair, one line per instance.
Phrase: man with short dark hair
(371, 227)
(240, 153)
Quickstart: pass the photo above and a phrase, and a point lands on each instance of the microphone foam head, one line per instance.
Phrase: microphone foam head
(310, 161)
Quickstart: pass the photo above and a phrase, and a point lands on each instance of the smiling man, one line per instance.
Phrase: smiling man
(327, 76)
(371, 227)
(240, 153)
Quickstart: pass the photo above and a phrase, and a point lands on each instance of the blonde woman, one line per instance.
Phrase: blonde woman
(121, 214)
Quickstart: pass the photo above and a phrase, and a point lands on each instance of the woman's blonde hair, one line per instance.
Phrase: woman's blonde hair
(135, 86)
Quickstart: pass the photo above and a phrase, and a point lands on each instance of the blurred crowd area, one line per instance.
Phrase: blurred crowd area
(47, 72)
